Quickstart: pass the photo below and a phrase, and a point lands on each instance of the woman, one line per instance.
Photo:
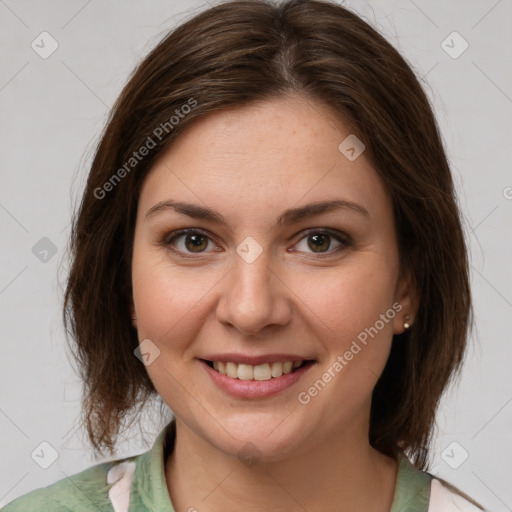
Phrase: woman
(269, 241)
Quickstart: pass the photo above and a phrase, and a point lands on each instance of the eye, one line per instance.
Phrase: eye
(320, 241)
(192, 241)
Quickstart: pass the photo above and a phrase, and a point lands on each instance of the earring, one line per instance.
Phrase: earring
(406, 323)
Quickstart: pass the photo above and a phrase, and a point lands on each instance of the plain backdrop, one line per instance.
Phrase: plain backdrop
(52, 112)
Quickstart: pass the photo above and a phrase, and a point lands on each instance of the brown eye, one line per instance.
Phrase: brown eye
(195, 243)
(189, 242)
(320, 242)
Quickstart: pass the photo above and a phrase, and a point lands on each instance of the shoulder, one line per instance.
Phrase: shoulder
(446, 498)
(88, 490)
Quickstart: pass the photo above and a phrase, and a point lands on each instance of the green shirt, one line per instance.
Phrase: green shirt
(141, 481)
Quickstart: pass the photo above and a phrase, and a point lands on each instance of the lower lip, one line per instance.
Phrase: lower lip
(255, 388)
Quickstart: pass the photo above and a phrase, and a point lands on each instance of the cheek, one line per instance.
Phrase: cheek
(357, 346)
(168, 300)
(351, 311)
(350, 298)
(160, 302)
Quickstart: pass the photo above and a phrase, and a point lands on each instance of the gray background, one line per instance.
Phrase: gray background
(53, 110)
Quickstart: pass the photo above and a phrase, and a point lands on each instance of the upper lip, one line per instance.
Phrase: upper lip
(254, 360)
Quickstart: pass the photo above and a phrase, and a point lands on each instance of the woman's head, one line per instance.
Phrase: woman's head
(251, 109)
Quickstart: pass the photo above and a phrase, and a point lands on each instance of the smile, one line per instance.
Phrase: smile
(243, 380)
(261, 372)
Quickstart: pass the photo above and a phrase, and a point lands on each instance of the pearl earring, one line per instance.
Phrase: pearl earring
(406, 323)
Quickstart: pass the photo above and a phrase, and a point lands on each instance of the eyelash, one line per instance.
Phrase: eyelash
(344, 239)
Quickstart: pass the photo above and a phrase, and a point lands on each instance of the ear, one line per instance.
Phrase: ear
(406, 294)
(133, 316)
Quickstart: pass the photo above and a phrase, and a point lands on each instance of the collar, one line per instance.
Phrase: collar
(412, 488)
(149, 491)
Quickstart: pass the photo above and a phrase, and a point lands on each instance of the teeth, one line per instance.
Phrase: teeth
(245, 372)
(276, 369)
(232, 370)
(260, 372)
(287, 367)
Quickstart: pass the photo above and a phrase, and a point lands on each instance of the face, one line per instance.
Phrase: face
(259, 283)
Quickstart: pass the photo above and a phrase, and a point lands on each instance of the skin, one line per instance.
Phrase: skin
(250, 164)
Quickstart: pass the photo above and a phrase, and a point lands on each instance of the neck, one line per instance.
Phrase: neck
(344, 469)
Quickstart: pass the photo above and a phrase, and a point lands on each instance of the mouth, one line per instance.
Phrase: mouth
(255, 381)
(246, 376)
(261, 372)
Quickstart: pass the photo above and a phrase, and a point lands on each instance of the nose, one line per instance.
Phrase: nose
(254, 297)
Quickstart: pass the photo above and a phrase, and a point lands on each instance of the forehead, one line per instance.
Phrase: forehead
(266, 155)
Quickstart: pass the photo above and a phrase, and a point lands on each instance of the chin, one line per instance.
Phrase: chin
(257, 438)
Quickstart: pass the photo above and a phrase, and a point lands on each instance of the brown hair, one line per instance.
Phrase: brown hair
(230, 55)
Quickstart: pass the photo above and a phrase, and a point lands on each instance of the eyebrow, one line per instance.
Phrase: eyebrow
(289, 216)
